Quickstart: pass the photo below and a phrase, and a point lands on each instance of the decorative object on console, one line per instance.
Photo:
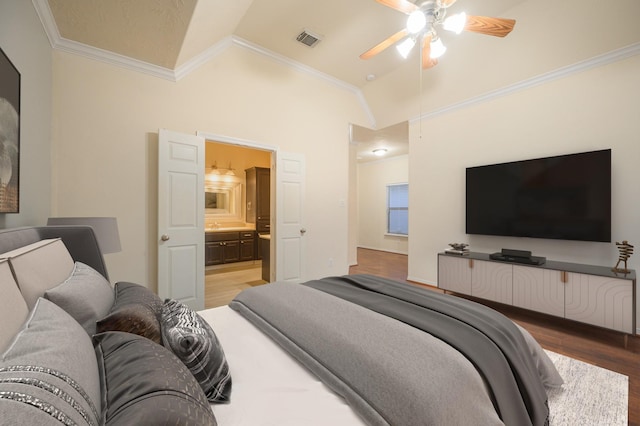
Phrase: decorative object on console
(10, 136)
(626, 250)
(105, 228)
(458, 248)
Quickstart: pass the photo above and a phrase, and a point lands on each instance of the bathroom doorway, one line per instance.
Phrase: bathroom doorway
(237, 237)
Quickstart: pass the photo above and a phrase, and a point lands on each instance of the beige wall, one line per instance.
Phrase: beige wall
(595, 109)
(373, 179)
(23, 40)
(239, 158)
(105, 143)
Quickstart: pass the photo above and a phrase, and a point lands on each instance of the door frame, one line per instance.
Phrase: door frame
(245, 143)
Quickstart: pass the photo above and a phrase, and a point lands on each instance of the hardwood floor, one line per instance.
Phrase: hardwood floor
(222, 285)
(589, 344)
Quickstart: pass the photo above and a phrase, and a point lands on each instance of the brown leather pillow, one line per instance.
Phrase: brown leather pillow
(136, 310)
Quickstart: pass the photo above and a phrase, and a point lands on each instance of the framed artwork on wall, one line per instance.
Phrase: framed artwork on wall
(9, 136)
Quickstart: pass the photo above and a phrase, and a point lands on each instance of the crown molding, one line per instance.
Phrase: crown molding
(59, 43)
(288, 62)
(597, 61)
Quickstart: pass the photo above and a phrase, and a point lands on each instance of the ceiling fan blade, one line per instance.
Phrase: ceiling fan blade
(498, 27)
(384, 44)
(446, 3)
(427, 60)
(403, 6)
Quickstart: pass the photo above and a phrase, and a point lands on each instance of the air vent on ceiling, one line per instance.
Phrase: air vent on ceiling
(308, 38)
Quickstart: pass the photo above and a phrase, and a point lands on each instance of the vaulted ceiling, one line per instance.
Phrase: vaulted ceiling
(169, 38)
(170, 33)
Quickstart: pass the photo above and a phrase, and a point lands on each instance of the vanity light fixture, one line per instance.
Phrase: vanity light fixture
(379, 151)
(220, 171)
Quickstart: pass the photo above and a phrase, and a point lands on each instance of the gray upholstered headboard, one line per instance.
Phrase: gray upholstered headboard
(79, 240)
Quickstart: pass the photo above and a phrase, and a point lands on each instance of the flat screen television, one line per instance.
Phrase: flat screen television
(564, 197)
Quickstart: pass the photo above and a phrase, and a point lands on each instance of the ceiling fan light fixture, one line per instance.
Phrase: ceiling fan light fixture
(455, 22)
(405, 46)
(416, 22)
(437, 49)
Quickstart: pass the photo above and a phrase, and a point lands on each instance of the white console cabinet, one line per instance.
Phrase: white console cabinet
(586, 293)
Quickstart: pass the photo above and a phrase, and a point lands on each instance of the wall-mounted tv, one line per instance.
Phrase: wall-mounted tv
(564, 197)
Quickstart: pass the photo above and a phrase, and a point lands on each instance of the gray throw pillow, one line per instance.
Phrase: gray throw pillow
(143, 383)
(86, 295)
(49, 375)
(193, 341)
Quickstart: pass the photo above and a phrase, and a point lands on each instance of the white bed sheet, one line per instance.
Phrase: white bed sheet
(269, 386)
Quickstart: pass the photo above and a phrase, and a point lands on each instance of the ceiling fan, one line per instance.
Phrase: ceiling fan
(421, 25)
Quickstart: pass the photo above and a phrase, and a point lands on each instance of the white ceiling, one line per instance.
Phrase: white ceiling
(170, 33)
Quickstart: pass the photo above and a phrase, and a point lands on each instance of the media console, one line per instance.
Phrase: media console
(585, 293)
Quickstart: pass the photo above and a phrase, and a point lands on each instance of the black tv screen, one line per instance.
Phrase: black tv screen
(564, 197)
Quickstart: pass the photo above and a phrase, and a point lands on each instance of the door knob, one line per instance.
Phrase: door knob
(165, 237)
(302, 231)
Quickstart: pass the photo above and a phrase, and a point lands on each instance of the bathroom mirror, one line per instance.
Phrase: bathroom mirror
(223, 199)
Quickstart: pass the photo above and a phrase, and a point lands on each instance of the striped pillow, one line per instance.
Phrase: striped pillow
(193, 341)
(49, 375)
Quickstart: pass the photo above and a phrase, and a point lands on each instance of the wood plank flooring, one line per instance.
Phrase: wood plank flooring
(222, 285)
(589, 344)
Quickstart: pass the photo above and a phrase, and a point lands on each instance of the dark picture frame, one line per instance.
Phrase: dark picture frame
(9, 136)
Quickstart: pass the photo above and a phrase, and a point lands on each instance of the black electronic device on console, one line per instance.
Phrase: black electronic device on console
(517, 256)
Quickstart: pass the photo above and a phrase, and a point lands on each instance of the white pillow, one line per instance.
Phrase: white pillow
(39, 267)
(13, 308)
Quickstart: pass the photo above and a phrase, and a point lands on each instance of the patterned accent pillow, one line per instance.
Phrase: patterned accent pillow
(143, 383)
(49, 374)
(192, 340)
(136, 310)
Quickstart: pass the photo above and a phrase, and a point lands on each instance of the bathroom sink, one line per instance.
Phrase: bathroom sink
(229, 228)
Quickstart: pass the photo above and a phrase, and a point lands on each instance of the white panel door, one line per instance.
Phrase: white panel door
(181, 218)
(290, 250)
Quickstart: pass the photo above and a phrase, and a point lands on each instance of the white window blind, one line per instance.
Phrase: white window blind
(398, 209)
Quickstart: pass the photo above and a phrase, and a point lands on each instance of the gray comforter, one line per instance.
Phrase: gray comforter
(437, 370)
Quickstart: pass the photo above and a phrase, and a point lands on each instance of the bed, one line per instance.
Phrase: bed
(361, 349)
(348, 350)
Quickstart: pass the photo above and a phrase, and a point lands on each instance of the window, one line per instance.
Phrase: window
(398, 209)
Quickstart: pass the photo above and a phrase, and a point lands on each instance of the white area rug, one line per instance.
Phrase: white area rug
(590, 396)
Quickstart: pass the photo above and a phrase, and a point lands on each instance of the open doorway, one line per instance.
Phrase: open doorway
(379, 159)
(238, 199)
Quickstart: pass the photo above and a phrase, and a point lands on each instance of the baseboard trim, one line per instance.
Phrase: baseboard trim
(421, 281)
(384, 250)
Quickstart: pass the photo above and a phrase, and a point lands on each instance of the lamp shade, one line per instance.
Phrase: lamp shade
(105, 228)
